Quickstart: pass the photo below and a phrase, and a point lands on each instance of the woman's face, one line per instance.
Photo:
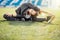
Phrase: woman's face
(32, 11)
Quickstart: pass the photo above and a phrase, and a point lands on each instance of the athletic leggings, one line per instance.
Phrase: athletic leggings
(18, 18)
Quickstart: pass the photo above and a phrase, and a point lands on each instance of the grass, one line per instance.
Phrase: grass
(18, 30)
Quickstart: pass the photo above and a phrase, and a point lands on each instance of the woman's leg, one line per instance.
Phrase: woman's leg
(10, 18)
(41, 19)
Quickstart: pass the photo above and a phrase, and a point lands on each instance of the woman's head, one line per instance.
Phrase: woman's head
(31, 12)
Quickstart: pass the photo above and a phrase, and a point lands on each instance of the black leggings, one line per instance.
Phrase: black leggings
(17, 18)
(10, 18)
(31, 19)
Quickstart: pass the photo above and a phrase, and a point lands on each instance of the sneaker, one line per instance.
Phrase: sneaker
(48, 18)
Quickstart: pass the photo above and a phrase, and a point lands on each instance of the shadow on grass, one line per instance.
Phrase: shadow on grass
(26, 23)
(18, 23)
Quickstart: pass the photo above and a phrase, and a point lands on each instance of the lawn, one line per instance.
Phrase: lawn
(18, 30)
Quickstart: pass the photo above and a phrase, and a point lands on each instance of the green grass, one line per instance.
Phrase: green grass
(18, 30)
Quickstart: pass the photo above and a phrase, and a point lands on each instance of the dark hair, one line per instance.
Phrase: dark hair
(28, 12)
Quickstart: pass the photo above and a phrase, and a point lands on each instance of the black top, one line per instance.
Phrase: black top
(26, 6)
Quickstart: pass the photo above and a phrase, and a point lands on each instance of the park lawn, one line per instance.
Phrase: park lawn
(18, 30)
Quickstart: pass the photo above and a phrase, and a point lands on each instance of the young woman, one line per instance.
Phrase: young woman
(28, 12)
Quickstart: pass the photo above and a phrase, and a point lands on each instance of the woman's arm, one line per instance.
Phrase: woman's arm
(49, 14)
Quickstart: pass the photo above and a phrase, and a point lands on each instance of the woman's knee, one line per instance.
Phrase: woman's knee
(5, 16)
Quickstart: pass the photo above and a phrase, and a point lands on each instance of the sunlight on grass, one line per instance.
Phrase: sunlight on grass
(18, 30)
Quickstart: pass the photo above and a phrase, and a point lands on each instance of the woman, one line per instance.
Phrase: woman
(27, 11)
